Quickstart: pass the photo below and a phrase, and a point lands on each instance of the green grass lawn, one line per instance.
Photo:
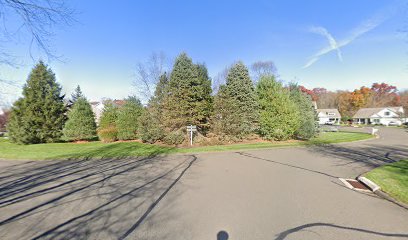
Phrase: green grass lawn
(132, 149)
(393, 179)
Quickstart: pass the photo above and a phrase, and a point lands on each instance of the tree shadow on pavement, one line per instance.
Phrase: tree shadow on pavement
(306, 227)
(85, 198)
(367, 155)
(286, 164)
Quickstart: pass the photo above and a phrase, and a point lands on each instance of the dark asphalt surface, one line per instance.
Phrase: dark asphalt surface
(285, 193)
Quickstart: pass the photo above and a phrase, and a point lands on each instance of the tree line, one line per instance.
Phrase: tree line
(240, 109)
(349, 102)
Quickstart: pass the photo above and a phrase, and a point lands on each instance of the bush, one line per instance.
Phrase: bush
(150, 129)
(175, 138)
(108, 134)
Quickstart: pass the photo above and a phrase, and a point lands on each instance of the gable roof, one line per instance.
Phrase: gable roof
(368, 112)
(325, 111)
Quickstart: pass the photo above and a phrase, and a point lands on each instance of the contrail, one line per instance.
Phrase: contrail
(334, 45)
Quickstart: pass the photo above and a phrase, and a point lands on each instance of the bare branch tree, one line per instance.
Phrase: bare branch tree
(148, 74)
(35, 19)
(220, 79)
(261, 68)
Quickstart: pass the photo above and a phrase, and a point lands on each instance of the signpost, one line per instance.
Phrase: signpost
(191, 129)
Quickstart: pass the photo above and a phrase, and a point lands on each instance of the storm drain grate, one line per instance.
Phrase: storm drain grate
(355, 185)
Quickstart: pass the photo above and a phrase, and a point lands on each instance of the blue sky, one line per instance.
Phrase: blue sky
(101, 51)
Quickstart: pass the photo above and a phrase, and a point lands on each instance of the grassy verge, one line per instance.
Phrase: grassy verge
(133, 149)
(393, 179)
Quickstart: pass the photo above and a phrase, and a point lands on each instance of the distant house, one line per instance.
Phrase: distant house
(97, 107)
(381, 116)
(328, 116)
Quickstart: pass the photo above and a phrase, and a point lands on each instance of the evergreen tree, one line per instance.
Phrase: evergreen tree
(156, 103)
(38, 116)
(279, 116)
(303, 102)
(189, 95)
(224, 121)
(151, 120)
(107, 130)
(236, 105)
(77, 94)
(128, 119)
(81, 121)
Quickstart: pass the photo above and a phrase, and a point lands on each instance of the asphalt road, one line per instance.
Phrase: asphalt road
(285, 193)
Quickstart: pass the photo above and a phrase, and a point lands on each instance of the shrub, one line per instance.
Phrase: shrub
(150, 129)
(175, 138)
(108, 134)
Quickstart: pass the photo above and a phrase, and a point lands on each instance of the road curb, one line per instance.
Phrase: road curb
(370, 184)
(377, 190)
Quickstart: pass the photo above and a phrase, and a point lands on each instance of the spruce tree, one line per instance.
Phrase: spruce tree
(39, 115)
(236, 105)
(279, 116)
(128, 119)
(307, 122)
(77, 94)
(81, 121)
(189, 95)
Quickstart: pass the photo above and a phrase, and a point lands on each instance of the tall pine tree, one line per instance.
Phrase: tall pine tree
(189, 95)
(38, 116)
(77, 94)
(81, 121)
(236, 107)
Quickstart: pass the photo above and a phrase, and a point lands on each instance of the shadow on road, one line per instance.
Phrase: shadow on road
(305, 227)
(80, 199)
(286, 164)
(367, 155)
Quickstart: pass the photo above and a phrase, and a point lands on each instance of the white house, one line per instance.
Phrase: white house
(97, 108)
(328, 116)
(381, 116)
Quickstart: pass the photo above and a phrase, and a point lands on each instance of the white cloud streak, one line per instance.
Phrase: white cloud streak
(361, 29)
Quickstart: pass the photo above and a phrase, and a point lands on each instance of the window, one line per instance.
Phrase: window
(330, 114)
(387, 113)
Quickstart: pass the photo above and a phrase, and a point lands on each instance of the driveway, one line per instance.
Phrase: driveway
(285, 193)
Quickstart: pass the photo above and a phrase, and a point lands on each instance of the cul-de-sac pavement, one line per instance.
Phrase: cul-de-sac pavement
(281, 193)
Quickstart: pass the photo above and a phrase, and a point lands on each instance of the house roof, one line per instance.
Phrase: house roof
(368, 112)
(325, 111)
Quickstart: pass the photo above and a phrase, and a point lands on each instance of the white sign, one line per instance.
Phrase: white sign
(191, 129)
